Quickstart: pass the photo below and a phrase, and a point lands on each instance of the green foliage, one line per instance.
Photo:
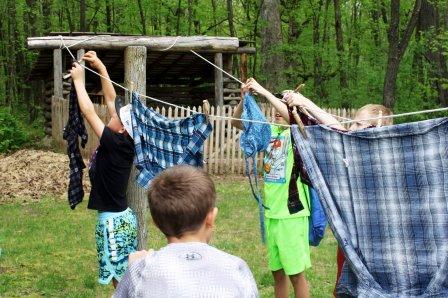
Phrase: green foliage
(12, 134)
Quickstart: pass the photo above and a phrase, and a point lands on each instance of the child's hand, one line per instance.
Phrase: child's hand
(253, 86)
(139, 255)
(77, 72)
(93, 60)
(294, 99)
(244, 89)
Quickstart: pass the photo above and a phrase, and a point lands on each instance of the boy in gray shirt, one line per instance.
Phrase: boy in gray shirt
(182, 204)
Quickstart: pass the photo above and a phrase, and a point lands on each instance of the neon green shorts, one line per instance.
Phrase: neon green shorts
(287, 242)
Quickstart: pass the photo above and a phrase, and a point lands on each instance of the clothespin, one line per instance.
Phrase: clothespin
(380, 120)
(65, 77)
(299, 122)
(206, 108)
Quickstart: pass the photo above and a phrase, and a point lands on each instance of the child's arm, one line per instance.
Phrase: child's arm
(237, 114)
(276, 102)
(85, 104)
(297, 99)
(108, 89)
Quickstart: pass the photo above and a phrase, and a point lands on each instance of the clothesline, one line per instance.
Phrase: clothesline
(63, 45)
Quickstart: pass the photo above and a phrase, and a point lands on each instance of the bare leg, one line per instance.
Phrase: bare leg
(115, 283)
(280, 284)
(300, 285)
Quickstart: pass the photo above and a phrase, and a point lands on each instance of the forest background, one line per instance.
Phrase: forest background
(348, 53)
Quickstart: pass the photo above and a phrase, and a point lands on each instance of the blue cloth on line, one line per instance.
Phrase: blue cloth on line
(385, 193)
(254, 138)
(161, 143)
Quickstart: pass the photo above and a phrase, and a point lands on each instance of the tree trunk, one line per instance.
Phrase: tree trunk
(230, 17)
(397, 47)
(108, 17)
(135, 72)
(215, 28)
(340, 44)
(82, 16)
(317, 67)
(428, 28)
(46, 11)
(142, 16)
(271, 37)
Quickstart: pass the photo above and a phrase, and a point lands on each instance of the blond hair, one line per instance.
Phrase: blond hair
(375, 110)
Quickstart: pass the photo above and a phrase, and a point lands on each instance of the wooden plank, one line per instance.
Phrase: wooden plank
(79, 54)
(217, 139)
(233, 154)
(135, 72)
(57, 72)
(222, 142)
(229, 139)
(211, 140)
(219, 100)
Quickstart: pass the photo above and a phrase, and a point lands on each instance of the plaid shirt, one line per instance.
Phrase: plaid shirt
(73, 129)
(161, 143)
(385, 193)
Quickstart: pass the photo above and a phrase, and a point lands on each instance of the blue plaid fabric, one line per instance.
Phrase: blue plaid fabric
(385, 193)
(74, 129)
(161, 143)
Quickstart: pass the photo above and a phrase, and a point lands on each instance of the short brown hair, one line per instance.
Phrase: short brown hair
(374, 110)
(180, 198)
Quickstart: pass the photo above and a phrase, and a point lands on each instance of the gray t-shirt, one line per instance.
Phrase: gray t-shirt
(192, 269)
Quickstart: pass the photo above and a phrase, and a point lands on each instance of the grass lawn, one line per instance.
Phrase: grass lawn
(49, 250)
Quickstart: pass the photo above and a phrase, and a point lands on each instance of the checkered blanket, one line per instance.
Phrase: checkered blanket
(161, 143)
(73, 129)
(385, 193)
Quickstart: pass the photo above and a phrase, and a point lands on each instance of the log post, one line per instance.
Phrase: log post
(243, 67)
(219, 98)
(79, 54)
(57, 72)
(135, 72)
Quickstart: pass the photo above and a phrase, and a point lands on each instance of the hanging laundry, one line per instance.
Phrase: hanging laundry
(254, 138)
(73, 129)
(161, 143)
(385, 193)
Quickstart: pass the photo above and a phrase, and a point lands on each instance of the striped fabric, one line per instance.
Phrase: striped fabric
(161, 143)
(385, 193)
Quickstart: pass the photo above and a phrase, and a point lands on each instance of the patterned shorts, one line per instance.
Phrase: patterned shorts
(116, 238)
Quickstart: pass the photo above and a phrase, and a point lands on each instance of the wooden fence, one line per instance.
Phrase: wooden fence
(222, 152)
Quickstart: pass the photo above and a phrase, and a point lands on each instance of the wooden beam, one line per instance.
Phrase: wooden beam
(182, 44)
(135, 72)
(79, 54)
(243, 67)
(57, 72)
(219, 100)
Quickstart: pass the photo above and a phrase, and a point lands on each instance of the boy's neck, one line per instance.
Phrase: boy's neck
(190, 237)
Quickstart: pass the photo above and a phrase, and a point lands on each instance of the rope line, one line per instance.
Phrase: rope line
(238, 119)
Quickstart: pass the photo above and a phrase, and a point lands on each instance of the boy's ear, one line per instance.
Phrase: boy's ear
(211, 217)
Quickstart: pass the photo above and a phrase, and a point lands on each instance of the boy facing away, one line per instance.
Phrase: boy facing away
(182, 204)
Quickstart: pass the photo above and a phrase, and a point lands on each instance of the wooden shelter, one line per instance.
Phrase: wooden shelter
(162, 67)
(166, 69)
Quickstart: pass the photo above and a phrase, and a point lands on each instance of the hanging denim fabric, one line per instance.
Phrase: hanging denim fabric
(255, 138)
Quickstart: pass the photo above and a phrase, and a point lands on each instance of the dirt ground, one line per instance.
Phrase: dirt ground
(28, 175)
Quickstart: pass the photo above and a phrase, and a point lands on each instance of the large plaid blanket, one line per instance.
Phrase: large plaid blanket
(161, 143)
(385, 193)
